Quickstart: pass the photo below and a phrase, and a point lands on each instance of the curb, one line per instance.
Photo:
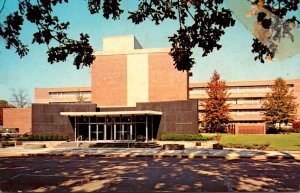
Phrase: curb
(227, 157)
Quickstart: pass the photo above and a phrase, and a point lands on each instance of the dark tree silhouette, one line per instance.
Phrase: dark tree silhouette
(201, 24)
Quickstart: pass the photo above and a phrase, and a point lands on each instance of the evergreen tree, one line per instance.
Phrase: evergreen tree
(280, 106)
(215, 108)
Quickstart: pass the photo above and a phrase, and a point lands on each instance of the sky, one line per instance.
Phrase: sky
(234, 61)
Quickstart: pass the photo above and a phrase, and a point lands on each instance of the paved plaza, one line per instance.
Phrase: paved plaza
(144, 174)
(143, 170)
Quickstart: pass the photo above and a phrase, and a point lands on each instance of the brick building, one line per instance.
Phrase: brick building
(134, 91)
(245, 99)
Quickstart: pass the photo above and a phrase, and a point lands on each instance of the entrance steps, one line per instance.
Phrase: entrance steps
(73, 144)
(84, 145)
(125, 145)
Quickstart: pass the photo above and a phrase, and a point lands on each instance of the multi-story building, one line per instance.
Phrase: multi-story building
(245, 99)
(134, 91)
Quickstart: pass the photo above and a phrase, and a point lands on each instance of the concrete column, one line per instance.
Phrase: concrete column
(130, 131)
(115, 132)
(122, 133)
(146, 128)
(89, 130)
(105, 131)
(152, 127)
(75, 129)
(97, 132)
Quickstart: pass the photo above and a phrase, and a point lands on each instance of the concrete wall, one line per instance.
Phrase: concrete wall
(46, 118)
(17, 118)
(120, 43)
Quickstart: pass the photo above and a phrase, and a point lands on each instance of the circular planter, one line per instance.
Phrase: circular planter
(198, 143)
(173, 147)
(217, 146)
(34, 146)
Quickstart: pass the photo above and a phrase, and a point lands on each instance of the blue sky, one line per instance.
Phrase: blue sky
(234, 61)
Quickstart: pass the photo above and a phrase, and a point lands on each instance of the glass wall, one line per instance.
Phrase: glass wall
(118, 128)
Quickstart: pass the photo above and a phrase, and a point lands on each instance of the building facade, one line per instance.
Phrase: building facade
(134, 92)
(245, 99)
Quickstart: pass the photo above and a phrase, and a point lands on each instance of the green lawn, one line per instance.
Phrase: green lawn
(277, 141)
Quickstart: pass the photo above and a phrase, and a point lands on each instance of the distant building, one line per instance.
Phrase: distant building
(134, 91)
(245, 99)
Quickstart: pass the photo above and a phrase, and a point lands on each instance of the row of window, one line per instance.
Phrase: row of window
(242, 112)
(242, 101)
(72, 94)
(265, 88)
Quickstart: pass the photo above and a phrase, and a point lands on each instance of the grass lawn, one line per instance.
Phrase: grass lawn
(277, 141)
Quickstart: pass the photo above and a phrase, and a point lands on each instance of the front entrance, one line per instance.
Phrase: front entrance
(122, 128)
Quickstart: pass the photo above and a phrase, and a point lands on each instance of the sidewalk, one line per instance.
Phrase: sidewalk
(155, 153)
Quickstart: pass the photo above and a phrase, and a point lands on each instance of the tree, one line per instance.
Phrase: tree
(280, 106)
(216, 111)
(20, 98)
(201, 24)
(80, 98)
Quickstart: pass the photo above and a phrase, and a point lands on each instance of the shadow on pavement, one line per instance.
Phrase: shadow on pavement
(89, 174)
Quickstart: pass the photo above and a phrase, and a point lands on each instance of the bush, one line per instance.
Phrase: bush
(55, 137)
(31, 138)
(46, 137)
(250, 146)
(184, 137)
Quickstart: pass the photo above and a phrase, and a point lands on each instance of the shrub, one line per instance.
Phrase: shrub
(46, 137)
(248, 146)
(55, 137)
(36, 137)
(31, 138)
(60, 138)
(50, 137)
(184, 137)
(66, 138)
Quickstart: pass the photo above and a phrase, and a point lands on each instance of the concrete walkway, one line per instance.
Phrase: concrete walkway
(157, 153)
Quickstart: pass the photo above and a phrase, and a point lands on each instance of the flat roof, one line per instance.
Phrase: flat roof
(110, 113)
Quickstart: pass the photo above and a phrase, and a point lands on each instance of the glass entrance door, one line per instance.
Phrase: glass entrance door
(123, 132)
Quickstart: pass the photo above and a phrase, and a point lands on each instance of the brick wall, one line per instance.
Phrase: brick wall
(259, 128)
(17, 118)
(46, 118)
(178, 116)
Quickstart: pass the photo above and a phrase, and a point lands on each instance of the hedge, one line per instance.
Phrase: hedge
(252, 146)
(184, 137)
(46, 137)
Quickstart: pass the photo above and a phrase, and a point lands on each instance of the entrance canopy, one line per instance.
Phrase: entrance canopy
(110, 113)
(113, 125)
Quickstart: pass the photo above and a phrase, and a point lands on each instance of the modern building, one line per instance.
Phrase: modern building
(134, 92)
(245, 99)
